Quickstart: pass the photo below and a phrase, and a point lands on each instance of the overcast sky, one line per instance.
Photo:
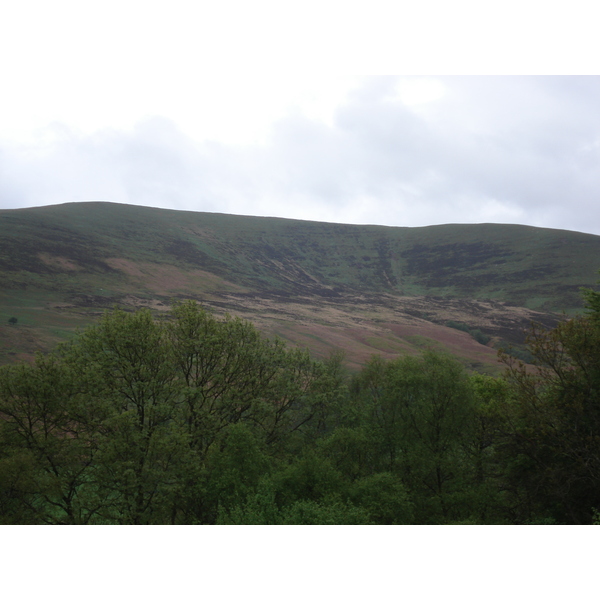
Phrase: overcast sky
(260, 108)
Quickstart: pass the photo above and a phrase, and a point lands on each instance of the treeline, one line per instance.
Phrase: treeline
(189, 419)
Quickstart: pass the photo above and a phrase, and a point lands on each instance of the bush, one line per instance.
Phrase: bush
(476, 334)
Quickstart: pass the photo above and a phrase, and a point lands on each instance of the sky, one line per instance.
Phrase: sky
(360, 113)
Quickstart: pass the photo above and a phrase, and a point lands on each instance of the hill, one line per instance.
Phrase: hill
(364, 289)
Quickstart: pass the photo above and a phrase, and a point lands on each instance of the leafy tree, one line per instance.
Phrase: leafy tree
(553, 447)
(127, 369)
(486, 489)
(225, 366)
(310, 477)
(44, 432)
(351, 451)
(262, 510)
(385, 498)
(476, 334)
(419, 415)
(231, 374)
(332, 512)
(17, 486)
(235, 468)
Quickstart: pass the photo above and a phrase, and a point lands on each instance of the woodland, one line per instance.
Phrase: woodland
(187, 418)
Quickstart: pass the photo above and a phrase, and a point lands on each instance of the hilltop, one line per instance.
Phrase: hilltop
(363, 289)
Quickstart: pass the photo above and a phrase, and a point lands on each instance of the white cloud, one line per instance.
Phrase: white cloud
(418, 91)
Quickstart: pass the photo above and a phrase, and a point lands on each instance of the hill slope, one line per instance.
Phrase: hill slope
(362, 288)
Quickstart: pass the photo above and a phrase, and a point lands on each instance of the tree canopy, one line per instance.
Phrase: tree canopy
(190, 419)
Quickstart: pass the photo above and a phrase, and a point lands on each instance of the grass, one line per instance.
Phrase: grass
(384, 344)
(424, 343)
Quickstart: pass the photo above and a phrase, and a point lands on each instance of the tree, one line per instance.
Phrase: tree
(231, 374)
(56, 444)
(418, 413)
(235, 467)
(552, 447)
(487, 486)
(385, 498)
(126, 368)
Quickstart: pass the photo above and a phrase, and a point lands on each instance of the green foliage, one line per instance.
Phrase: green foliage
(125, 367)
(40, 429)
(309, 512)
(420, 420)
(592, 302)
(552, 447)
(385, 498)
(311, 477)
(522, 354)
(145, 421)
(263, 510)
(476, 334)
(236, 467)
(479, 336)
(350, 450)
(189, 419)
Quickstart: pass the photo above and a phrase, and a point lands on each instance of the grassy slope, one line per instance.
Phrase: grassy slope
(61, 265)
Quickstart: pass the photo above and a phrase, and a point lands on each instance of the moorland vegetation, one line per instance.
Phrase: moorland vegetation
(366, 289)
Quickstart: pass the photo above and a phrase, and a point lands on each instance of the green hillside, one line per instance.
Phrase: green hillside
(62, 265)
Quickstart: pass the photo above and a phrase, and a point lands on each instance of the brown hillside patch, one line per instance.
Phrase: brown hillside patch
(162, 278)
(389, 341)
(359, 326)
(126, 266)
(58, 262)
(20, 343)
(151, 303)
